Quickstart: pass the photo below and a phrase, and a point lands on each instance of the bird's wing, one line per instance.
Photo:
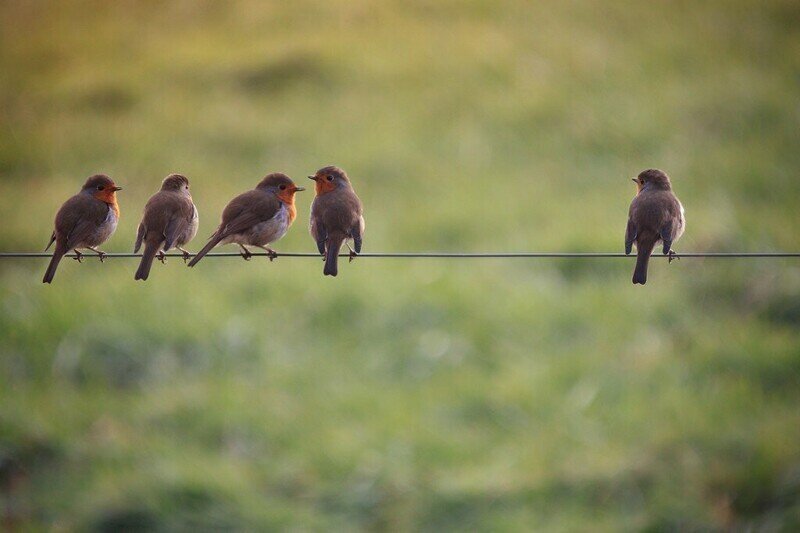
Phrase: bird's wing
(140, 234)
(358, 233)
(52, 240)
(247, 210)
(175, 228)
(181, 212)
(316, 228)
(630, 236)
(666, 235)
(80, 216)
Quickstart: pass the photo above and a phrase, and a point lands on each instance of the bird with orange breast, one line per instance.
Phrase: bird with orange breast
(336, 216)
(655, 216)
(170, 219)
(257, 217)
(86, 220)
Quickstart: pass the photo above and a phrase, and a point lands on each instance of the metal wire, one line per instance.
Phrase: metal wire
(431, 255)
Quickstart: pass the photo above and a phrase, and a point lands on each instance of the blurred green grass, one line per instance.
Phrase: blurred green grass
(489, 395)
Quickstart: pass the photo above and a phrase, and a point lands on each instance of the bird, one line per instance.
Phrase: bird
(170, 220)
(86, 220)
(655, 216)
(337, 215)
(257, 217)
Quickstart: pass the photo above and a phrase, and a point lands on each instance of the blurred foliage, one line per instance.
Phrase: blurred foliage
(406, 394)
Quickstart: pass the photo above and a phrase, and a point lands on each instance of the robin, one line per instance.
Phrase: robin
(656, 215)
(86, 220)
(336, 216)
(256, 218)
(170, 220)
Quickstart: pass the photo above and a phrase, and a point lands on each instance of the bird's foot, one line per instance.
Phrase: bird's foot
(100, 253)
(352, 253)
(245, 253)
(672, 256)
(78, 256)
(271, 254)
(161, 256)
(186, 254)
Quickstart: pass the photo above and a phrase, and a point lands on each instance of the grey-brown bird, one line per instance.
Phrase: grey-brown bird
(336, 216)
(170, 220)
(655, 216)
(256, 218)
(86, 220)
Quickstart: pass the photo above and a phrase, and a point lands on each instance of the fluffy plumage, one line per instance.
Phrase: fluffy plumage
(337, 216)
(655, 216)
(86, 220)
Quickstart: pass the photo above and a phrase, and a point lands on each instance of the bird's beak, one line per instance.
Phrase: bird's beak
(117, 189)
(312, 178)
(635, 180)
(298, 189)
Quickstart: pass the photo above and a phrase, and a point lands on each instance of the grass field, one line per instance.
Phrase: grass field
(498, 395)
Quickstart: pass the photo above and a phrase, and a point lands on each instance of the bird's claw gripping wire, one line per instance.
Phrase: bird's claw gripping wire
(246, 255)
(672, 256)
(100, 254)
(271, 254)
(161, 256)
(186, 254)
(352, 253)
(78, 256)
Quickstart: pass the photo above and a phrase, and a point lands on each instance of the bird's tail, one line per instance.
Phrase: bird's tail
(150, 251)
(212, 242)
(643, 251)
(332, 255)
(50, 273)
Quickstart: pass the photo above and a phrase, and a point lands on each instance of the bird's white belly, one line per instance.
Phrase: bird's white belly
(103, 231)
(268, 231)
(682, 226)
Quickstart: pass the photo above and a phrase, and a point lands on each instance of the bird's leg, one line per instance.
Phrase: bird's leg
(186, 254)
(672, 256)
(245, 253)
(78, 256)
(353, 254)
(271, 254)
(161, 256)
(100, 253)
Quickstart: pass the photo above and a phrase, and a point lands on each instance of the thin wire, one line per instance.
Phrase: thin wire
(430, 255)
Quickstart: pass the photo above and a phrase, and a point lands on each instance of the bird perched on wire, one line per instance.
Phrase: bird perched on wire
(655, 216)
(256, 218)
(336, 216)
(86, 220)
(170, 220)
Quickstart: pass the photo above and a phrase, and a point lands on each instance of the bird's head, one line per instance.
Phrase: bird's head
(176, 183)
(652, 179)
(281, 186)
(329, 179)
(101, 187)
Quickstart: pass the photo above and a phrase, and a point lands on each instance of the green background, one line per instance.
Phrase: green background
(406, 394)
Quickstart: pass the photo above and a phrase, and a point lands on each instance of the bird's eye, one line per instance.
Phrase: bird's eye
(283, 187)
(330, 178)
(99, 187)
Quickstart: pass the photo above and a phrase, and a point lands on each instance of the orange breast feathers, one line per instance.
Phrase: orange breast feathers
(323, 186)
(109, 197)
(287, 197)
